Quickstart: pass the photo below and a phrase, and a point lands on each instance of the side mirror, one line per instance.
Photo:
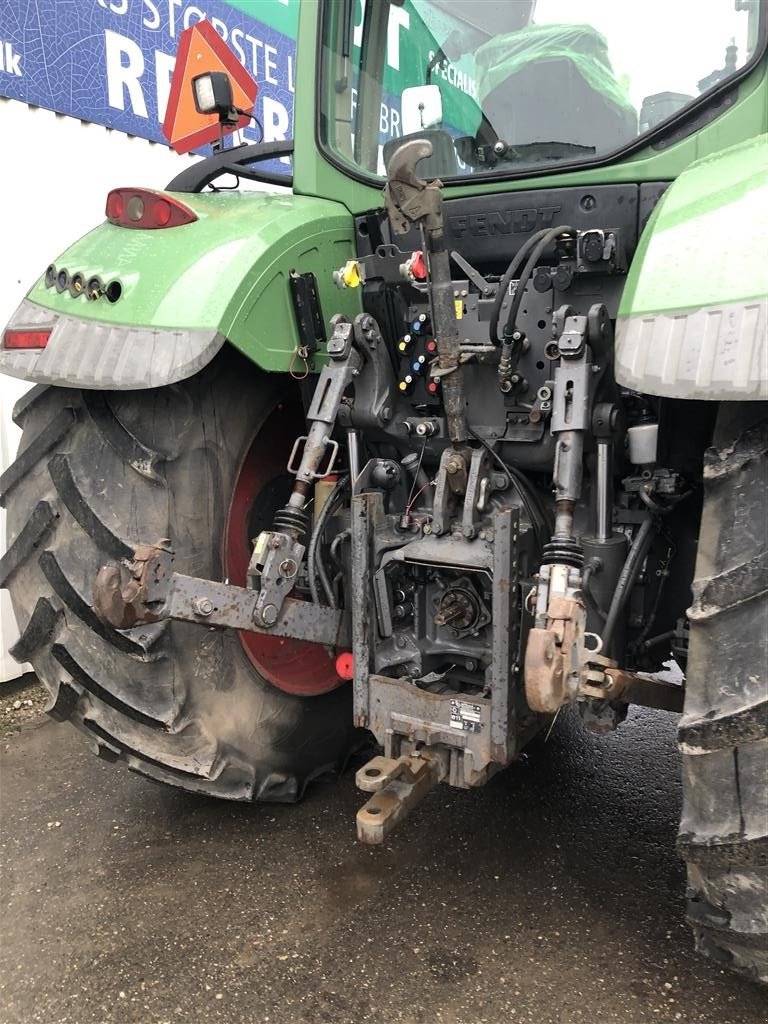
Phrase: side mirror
(421, 107)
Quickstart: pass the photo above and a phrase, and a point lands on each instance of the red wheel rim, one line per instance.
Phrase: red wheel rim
(294, 666)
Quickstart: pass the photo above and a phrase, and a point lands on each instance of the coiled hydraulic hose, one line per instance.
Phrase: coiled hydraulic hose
(538, 243)
(545, 239)
(504, 283)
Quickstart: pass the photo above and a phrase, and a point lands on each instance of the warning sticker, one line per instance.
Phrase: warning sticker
(466, 716)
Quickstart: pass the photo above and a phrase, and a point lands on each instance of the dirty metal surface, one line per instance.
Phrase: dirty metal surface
(505, 633)
(148, 905)
(218, 604)
(399, 785)
(400, 709)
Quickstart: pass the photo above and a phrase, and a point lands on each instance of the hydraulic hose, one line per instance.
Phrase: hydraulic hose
(527, 493)
(544, 239)
(637, 554)
(504, 283)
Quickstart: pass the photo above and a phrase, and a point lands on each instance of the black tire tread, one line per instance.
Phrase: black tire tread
(723, 733)
(67, 489)
(727, 730)
(28, 540)
(39, 630)
(155, 697)
(48, 437)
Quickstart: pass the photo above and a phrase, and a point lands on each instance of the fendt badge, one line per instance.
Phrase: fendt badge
(503, 222)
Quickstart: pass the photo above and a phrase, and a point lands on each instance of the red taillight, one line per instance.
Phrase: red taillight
(115, 206)
(142, 208)
(162, 212)
(25, 339)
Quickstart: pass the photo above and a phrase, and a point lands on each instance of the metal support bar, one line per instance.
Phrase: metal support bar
(153, 592)
(206, 602)
(604, 496)
(363, 621)
(505, 530)
(632, 688)
(353, 457)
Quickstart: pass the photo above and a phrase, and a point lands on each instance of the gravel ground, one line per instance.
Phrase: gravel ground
(551, 896)
(21, 700)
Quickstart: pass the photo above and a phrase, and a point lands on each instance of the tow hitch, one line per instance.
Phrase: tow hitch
(398, 785)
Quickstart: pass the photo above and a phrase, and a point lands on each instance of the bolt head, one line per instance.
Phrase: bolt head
(203, 606)
(269, 615)
(427, 529)
(288, 568)
(275, 543)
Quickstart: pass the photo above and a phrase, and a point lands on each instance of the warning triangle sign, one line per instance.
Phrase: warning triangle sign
(202, 49)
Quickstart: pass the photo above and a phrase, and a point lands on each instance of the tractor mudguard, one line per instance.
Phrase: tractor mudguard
(694, 313)
(184, 291)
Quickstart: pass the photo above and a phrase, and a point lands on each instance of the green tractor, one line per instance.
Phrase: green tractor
(464, 429)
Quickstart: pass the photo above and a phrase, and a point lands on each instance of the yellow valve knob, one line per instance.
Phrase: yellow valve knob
(350, 274)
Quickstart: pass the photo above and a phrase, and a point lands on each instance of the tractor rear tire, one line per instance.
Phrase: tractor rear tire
(99, 472)
(724, 731)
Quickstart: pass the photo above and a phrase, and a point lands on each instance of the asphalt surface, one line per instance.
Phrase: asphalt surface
(552, 896)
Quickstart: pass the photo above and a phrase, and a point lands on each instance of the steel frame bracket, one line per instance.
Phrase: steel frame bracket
(154, 592)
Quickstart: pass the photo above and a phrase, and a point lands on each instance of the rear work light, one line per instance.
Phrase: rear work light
(25, 339)
(142, 208)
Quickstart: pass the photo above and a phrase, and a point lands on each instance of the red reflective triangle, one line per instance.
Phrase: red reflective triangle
(202, 49)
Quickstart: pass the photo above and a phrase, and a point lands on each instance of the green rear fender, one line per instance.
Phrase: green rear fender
(693, 318)
(185, 290)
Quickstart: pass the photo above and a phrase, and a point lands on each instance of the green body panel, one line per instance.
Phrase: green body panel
(693, 317)
(705, 243)
(227, 272)
(315, 175)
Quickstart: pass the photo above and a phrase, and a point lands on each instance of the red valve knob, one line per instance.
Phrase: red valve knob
(417, 266)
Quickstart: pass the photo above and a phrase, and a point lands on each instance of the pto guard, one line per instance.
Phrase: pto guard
(184, 291)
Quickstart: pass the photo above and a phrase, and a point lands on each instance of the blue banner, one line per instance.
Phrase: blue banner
(111, 61)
